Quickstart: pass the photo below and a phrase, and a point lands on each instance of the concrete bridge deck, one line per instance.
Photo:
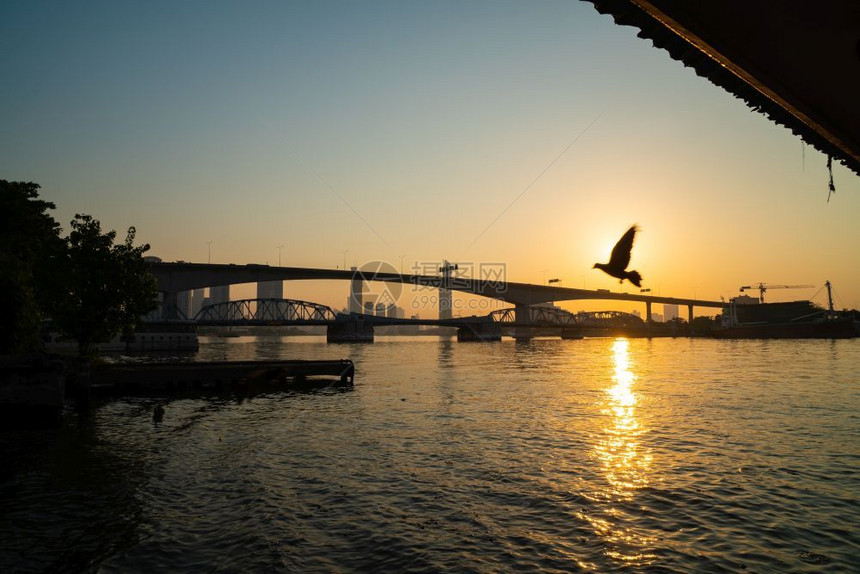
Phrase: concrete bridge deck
(175, 277)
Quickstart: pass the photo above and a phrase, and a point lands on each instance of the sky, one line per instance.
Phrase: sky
(531, 134)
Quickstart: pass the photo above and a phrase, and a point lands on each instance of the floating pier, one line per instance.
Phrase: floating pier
(237, 376)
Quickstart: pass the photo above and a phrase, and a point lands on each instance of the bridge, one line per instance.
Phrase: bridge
(545, 320)
(265, 312)
(173, 278)
(349, 327)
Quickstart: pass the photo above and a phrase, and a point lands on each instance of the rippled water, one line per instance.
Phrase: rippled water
(664, 455)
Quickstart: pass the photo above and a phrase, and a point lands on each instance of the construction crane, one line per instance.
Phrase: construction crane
(762, 287)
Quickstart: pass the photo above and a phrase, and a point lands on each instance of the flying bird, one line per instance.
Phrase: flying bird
(620, 258)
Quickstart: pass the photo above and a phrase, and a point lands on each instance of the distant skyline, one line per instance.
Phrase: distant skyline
(531, 134)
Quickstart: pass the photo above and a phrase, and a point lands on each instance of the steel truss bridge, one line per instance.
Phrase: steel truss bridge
(266, 312)
(555, 317)
(276, 312)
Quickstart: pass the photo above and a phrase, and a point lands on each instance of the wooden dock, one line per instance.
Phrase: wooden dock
(239, 376)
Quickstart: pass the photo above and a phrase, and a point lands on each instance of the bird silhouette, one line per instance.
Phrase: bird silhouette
(620, 258)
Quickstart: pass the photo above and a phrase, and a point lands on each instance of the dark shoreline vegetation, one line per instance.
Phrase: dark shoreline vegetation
(90, 287)
(85, 285)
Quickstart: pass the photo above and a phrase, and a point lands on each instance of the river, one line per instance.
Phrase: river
(594, 455)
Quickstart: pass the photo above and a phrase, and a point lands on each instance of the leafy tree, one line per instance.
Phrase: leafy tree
(91, 288)
(105, 288)
(30, 246)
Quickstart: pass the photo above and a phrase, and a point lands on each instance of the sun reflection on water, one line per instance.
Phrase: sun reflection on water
(625, 465)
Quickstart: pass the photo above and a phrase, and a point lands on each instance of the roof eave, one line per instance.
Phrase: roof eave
(708, 62)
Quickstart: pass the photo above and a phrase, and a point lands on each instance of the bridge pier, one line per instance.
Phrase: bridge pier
(571, 333)
(170, 305)
(353, 331)
(690, 316)
(522, 334)
(522, 330)
(479, 332)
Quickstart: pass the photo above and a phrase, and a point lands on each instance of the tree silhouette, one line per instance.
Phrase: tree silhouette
(30, 246)
(104, 288)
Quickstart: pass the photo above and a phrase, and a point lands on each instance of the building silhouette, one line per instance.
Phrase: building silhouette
(219, 294)
(356, 292)
(270, 290)
(670, 312)
(183, 304)
(197, 298)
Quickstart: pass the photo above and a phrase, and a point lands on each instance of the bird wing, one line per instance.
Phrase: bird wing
(620, 257)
